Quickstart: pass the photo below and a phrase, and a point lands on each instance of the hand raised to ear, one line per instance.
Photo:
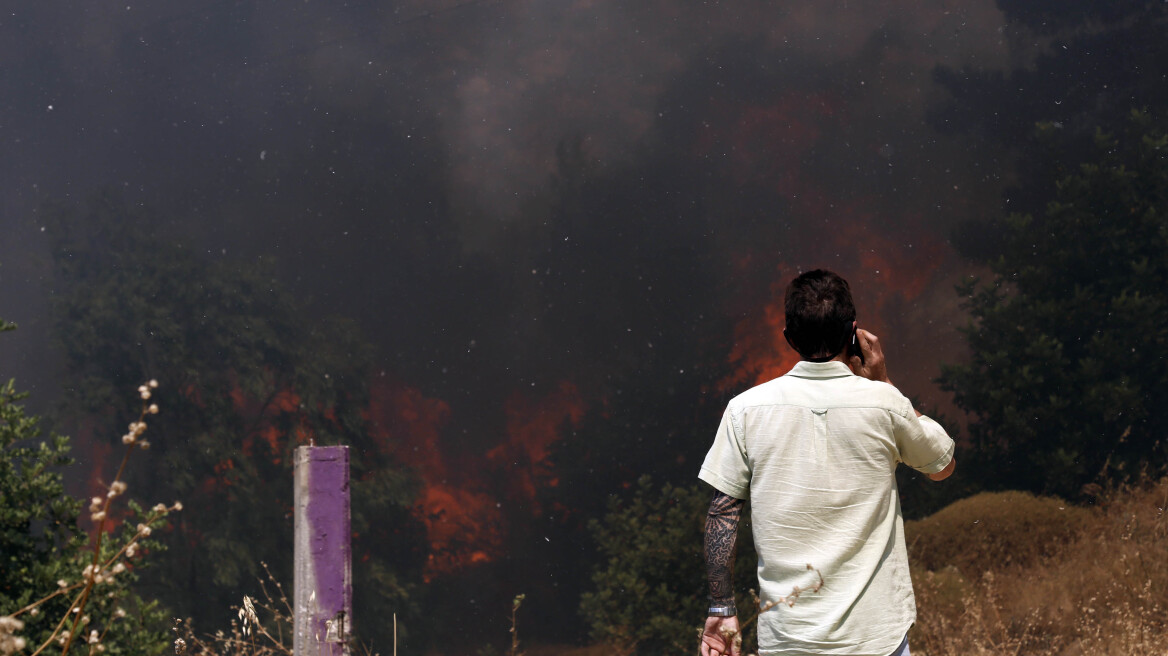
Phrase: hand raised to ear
(873, 366)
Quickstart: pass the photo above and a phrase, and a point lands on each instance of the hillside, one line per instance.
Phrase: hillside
(1011, 573)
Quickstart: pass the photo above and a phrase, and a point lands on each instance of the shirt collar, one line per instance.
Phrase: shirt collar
(830, 369)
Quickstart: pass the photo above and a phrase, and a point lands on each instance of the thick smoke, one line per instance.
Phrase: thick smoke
(534, 209)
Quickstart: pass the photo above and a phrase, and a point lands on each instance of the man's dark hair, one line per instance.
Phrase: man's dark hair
(820, 313)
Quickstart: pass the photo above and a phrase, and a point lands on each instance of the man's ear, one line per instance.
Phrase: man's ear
(789, 342)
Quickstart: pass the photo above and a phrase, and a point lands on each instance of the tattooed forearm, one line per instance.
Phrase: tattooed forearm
(721, 536)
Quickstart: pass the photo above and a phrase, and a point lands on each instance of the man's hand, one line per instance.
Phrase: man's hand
(873, 367)
(721, 637)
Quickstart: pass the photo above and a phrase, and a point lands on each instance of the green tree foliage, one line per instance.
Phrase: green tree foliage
(650, 592)
(248, 374)
(1066, 380)
(42, 544)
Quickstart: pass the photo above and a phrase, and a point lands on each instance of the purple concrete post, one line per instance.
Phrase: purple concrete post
(323, 580)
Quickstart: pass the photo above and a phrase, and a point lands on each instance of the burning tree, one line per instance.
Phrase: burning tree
(252, 374)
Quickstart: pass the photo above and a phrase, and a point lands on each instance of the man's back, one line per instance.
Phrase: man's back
(816, 450)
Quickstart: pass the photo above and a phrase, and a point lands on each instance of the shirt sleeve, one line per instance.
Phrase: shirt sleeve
(726, 467)
(922, 443)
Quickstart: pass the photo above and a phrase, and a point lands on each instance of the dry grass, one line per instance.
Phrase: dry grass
(266, 632)
(1011, 573)
(263, 627)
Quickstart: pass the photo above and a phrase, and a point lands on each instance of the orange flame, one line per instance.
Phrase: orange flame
(533, 425)
(888, 262)
(884, 271)
(462, 522)
(463, 519)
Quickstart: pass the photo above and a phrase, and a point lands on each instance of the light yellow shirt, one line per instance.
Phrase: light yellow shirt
(816, 451)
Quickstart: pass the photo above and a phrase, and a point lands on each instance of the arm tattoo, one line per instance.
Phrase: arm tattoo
(721, 537)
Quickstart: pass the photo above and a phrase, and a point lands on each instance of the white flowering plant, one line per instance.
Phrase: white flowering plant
(64, 589)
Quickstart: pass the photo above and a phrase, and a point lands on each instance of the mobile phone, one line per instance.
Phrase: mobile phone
(854, 348)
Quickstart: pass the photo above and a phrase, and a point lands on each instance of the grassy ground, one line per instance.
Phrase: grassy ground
(1010, 573)
(999, 573)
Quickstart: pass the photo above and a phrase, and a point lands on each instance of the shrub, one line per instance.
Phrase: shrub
(992, 530)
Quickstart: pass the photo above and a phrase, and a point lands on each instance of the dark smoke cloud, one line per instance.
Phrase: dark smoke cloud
(390, 155)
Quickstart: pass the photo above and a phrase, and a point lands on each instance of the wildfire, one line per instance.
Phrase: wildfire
(884, 271)
(889, 261)
(461, 503)
(462, 522)
(533, 425)
(462, 514)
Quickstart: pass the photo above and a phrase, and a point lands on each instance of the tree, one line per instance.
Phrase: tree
(42, 545)
(249, 373)
(1065, 382)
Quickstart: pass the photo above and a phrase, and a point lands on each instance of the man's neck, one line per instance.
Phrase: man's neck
(842, 356)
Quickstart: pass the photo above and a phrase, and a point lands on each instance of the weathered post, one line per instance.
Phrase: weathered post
(323, 580)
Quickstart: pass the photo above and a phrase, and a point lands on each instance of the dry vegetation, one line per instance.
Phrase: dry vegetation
(250, 634)
(1010, 573)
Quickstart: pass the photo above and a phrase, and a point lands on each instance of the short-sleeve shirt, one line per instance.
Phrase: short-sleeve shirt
(816, 452)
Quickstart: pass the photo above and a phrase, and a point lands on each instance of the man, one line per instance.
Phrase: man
(816, 451)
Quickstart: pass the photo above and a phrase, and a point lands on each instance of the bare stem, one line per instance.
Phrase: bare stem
(95, 568)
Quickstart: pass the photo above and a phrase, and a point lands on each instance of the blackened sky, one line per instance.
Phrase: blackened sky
(405, 162)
